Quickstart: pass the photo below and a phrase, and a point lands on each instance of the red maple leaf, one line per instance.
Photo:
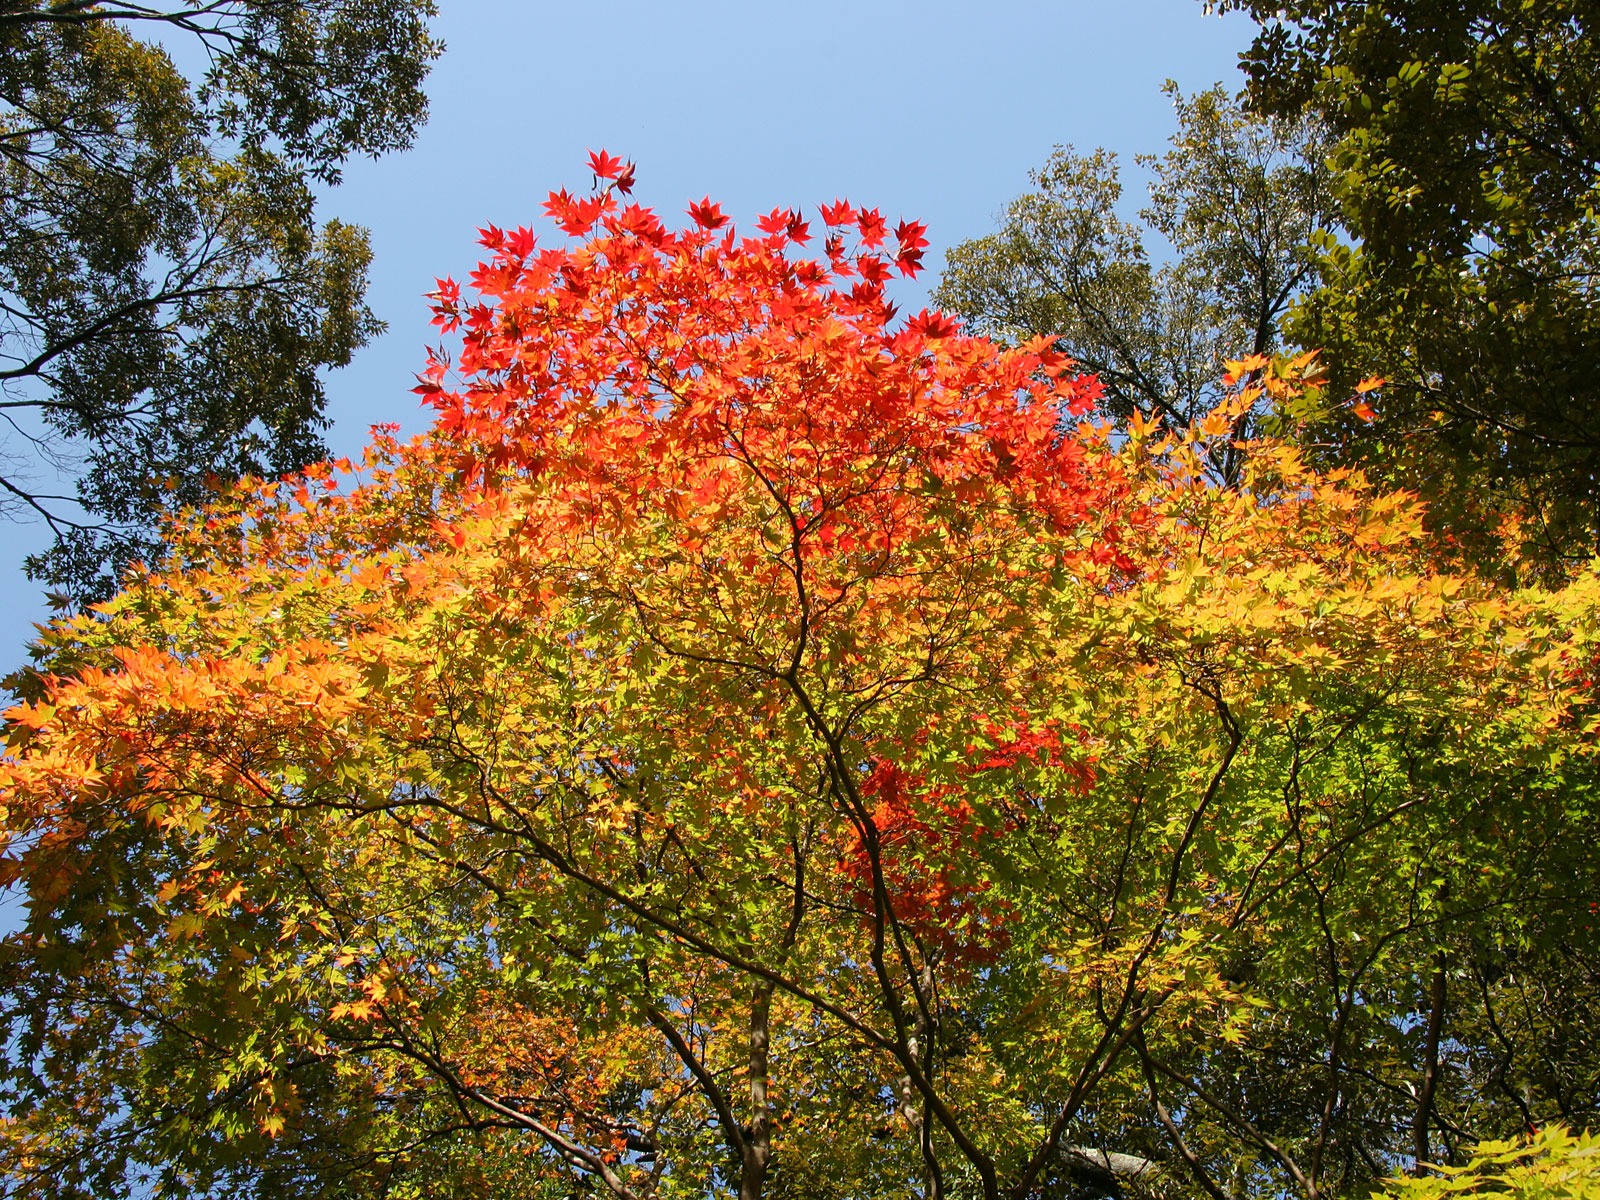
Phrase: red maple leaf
(799, 231)
(866, 294)
(706, 214)
(933, 325)
(776, 221)
(910, 235)
(604, 165)
(909, 262)
(625, 180)
(557, 203)
(642, 221)
(1082, 393)
(575, 216)
(838, 213)
(520, 242)
(873, 269)
(911, 238)
(872, 227)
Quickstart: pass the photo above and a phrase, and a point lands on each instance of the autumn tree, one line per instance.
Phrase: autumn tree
(168, 298)
(752, 746)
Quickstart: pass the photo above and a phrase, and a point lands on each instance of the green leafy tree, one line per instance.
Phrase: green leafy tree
(168, 299)
(1465, 155)
(1236, 198)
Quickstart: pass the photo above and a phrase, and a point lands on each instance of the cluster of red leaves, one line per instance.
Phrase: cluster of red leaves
(1015, 739)
(921, 832)
(926, 834)
(663, 368)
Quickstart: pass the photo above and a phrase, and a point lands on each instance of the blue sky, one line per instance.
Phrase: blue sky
(931, 110)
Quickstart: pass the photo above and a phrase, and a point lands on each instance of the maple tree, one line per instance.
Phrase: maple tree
(754, 746)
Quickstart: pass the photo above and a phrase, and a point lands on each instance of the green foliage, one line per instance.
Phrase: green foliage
(169, 298)
(1237, 200)
(1465, 159)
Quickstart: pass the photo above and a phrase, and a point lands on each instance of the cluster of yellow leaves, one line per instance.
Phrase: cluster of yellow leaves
(1551, 1164)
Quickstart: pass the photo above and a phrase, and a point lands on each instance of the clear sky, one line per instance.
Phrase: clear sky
(931, 110)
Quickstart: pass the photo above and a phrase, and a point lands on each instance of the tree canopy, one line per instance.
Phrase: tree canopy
(1465, 153)
(168, 299)
(753, 746)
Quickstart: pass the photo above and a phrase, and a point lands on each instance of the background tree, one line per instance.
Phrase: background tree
(1237, 199)
(752, 748)
(168, 300)
(1465, 153)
